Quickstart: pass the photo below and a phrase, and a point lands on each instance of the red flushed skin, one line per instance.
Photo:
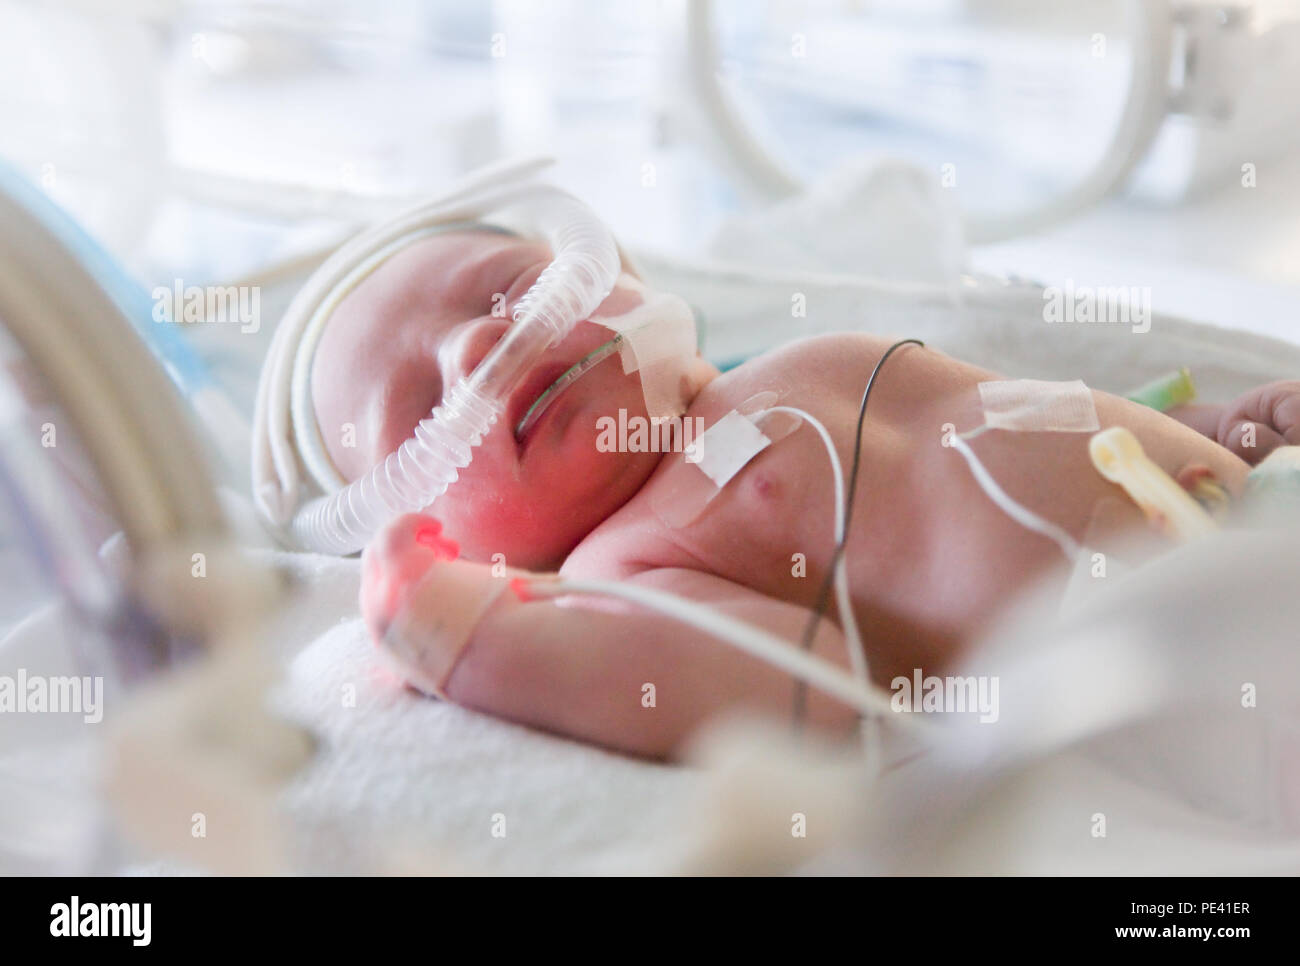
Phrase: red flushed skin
(424, 319)
(395, 562)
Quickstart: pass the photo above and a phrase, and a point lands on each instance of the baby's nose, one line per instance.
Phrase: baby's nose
(459, 355)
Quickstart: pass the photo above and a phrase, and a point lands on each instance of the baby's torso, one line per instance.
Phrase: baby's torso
(930, 557)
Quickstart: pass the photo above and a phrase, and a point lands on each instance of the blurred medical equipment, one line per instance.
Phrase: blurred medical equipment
(138, 604)
(66, 305)
(1118, 456)
(1151, 650)
(1177, 93)
(666, 117)
(1165, 392)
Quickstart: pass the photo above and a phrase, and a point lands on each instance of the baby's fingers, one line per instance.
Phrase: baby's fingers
(1250, 440)
(1262, 420)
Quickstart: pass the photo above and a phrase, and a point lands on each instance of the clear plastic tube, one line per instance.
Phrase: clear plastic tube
(567, 379)
(582, 274)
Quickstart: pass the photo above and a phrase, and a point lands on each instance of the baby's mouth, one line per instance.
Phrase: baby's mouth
(547, 384)
(524, 399)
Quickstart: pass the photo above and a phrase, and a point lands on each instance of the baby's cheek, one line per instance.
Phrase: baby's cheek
(518, 529)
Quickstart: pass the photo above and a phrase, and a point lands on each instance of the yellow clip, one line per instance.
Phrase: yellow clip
(1118, 456)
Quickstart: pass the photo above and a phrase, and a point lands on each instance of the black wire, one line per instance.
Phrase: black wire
(823, 596)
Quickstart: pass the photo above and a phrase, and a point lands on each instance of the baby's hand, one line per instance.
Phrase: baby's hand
(420, 603)
(398, 558)
(1258, 422)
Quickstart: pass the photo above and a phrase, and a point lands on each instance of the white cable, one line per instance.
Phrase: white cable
(754, 641)
(857, 651)
(870, 733)
(1025, 517)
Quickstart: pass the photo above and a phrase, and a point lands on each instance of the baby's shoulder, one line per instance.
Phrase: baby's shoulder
(808, 371)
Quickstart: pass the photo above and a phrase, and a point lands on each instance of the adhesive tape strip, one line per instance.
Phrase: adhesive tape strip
(727, 446)
(1034, 405)
(659, 343)
(432, 628)
(717, 455)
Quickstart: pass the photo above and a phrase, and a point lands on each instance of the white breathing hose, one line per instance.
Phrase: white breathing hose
(586, 266)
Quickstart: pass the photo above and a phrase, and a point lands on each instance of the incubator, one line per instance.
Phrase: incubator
(134, 533)
(246, 734)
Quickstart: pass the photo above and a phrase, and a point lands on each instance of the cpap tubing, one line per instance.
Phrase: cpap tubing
(582, 274)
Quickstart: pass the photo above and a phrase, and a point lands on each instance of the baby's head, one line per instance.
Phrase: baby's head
(425, 318)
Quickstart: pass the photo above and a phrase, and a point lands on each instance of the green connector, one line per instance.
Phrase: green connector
(1165, 393)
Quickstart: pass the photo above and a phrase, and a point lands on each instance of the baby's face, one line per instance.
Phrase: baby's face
(423, 320)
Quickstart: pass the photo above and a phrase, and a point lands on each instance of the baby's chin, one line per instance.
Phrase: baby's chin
(536, 512)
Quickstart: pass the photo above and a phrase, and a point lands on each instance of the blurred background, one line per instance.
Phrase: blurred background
(204, 139)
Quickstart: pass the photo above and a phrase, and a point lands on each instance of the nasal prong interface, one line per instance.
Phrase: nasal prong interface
(567, 379)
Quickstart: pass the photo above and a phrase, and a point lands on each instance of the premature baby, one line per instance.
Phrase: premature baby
(930, 558)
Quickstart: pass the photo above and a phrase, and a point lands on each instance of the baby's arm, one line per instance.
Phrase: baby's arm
(1252, 425)
(583, 670)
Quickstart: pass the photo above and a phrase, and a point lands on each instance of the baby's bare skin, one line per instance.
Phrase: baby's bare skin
(930, 558)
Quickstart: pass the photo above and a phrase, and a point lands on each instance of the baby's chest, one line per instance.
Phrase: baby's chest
(763, 519)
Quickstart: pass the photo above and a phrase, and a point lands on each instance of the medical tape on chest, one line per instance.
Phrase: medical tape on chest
(1037, 406)
(717, 455)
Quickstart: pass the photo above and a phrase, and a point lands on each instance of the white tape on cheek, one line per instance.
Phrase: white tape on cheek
(1033, 405)
(659, 344)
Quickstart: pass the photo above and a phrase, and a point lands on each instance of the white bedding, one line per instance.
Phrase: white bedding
(424, 782)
